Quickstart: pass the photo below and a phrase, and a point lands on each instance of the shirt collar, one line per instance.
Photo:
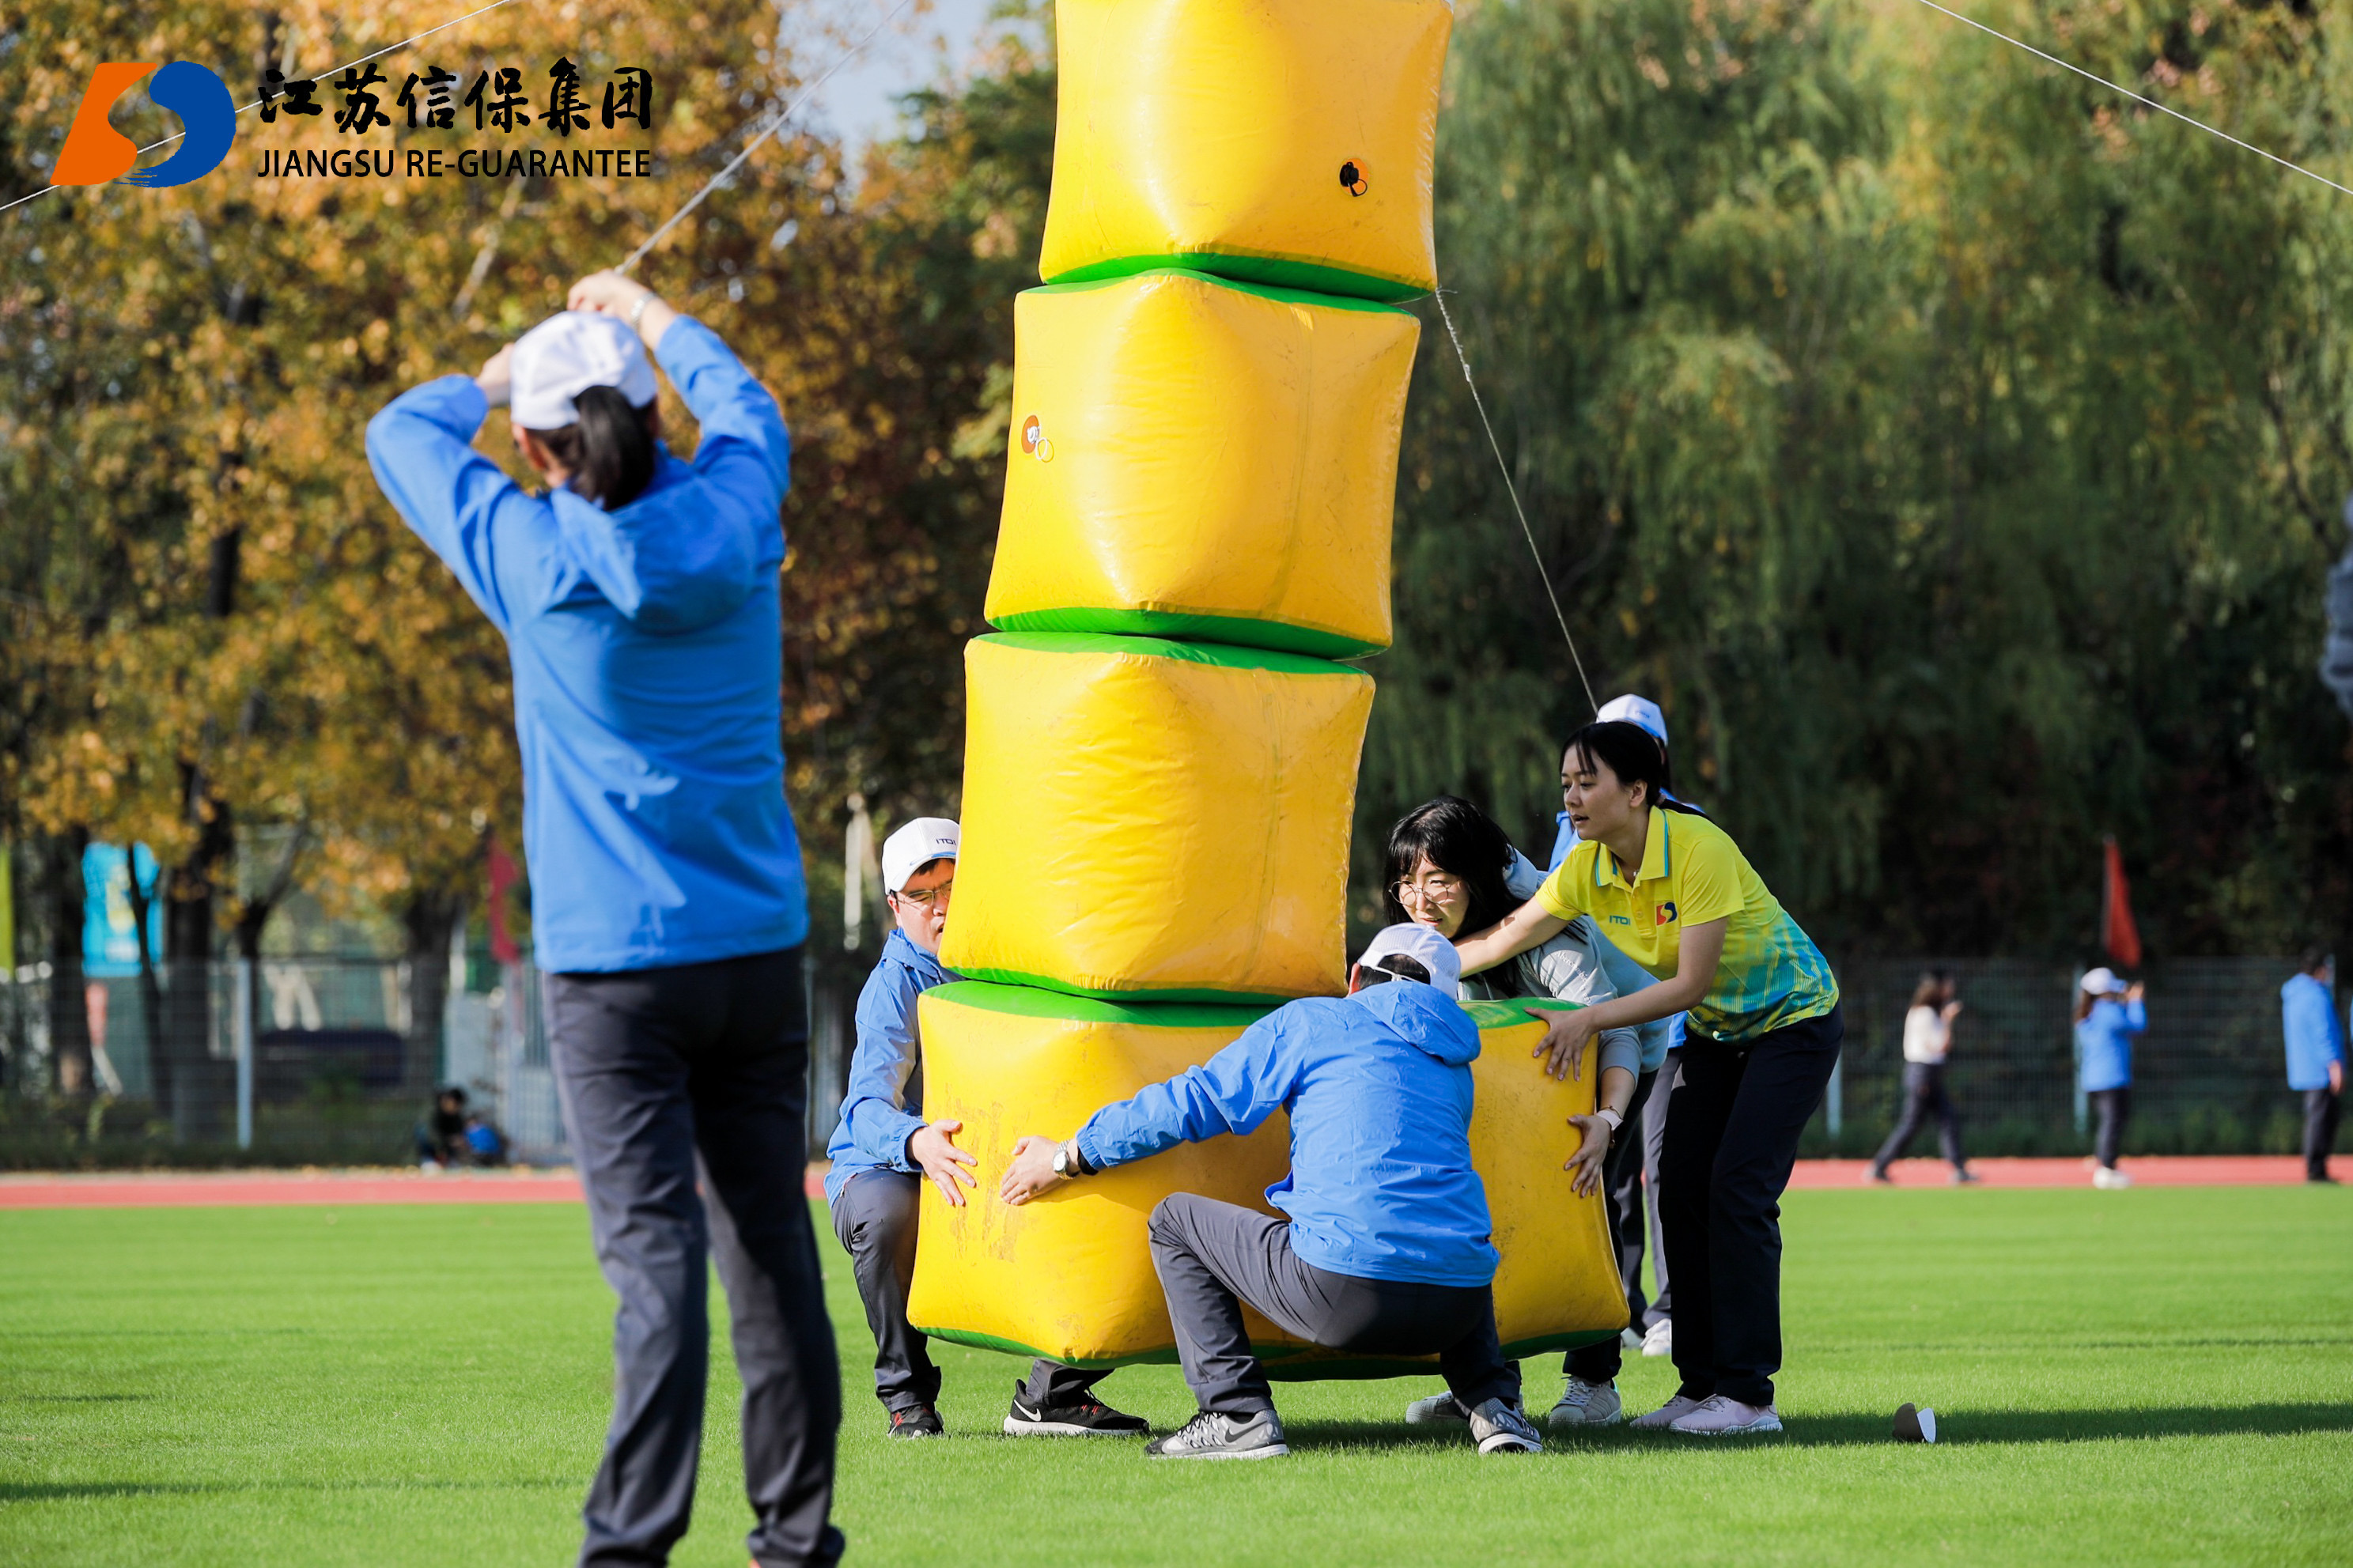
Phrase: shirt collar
(1658, 854)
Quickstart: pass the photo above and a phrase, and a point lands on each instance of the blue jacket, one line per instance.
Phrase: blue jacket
(1378, 1085)
(2315, 1035)
(883, 1104)
(648, 655)
(2104, 1044)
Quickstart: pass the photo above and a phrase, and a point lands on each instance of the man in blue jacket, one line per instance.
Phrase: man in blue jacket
(2315, 1056)
(882, 1150)
(639, 598)
(1386, 1247)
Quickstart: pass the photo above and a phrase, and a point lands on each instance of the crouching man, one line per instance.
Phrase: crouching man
(1386, 1249)
(883, 1150)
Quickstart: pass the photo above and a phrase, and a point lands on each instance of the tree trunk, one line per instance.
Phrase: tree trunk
(199, 1085)
(68, 999)
(429, 922)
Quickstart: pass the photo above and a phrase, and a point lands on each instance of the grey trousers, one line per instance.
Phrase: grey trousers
(1213, 1256)
(2322, 1108)
(876, 1220)
(671, 1079)
(1621, 1196)
(1662, 1307)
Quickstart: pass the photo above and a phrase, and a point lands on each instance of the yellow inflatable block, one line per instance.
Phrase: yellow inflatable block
(1155, 821)
(1195, 457)
(1069, 1276)
(1287, 142)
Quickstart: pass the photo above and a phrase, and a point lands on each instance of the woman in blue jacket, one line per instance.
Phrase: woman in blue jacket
(638, 595)
(2108, 1014)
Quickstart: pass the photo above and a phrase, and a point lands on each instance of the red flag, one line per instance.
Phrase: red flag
(2117, 932)
(503, 877)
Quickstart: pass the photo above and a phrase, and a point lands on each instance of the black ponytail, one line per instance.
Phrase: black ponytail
(610, 451)
(1635, 755)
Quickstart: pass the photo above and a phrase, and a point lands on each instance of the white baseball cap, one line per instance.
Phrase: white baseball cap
(1425, 947)
(1633, 709)
(916, 846)
(2101, 982)
(566, 355)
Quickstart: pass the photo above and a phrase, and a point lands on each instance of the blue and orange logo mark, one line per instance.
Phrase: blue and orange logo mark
(95, 152)
(1666, 913)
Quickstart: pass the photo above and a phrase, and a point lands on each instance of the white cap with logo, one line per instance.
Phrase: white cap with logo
(1639, 711)
(566, 355)
(1424, 946)
(915, 845)
(2101, 982)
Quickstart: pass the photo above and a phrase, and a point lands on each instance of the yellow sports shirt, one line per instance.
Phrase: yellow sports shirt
(1772, 974)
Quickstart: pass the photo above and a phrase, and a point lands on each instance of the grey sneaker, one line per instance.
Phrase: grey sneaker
(1584, 1404)
(1721, 1418)
(1661, 1339)
(1210, 1436)
(1630, 1339)
(1666, 1415)
(1438, 1410)
(1498, 1429)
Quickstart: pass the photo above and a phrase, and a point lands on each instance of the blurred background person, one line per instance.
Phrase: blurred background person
(1927, 1042)
(2316, 1056)
(2108, 1014)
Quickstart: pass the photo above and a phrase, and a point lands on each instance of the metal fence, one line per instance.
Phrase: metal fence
(319, 1074)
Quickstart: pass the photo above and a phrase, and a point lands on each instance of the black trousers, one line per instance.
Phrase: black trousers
(1924, 1096)
(1213, 1256)
(1732, 1120)
(876, 1218)
(668, 1076)
(1621, 1190)
(2114, 1107)
(2321, 1109)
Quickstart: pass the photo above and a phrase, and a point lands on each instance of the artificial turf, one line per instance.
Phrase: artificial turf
(2146, 1377)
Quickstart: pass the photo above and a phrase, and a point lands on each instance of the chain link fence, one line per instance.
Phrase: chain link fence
(323, 1074)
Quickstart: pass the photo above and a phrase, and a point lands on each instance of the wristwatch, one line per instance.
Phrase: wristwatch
(637, 312)
(1069, 1163)
(1615, 1119)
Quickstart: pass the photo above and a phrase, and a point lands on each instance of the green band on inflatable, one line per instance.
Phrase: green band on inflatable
(1226, 999)
(1282, 1364)
(1030, 1002)
(1184, 624)
(1233, 266)
(1518, 1010)
(1105, 275)
(1223, 655)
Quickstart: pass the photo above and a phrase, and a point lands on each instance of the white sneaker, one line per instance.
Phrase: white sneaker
(1661, 1339)
(1438, 1410)
(1666, 1415)
(1498, 1429)
(2109, 1180)
(1584, 1404)
(1720, 1417)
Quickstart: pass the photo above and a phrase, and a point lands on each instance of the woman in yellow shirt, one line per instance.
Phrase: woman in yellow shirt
(1673, 891)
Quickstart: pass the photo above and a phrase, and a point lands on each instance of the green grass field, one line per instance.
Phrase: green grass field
(2145, 1377)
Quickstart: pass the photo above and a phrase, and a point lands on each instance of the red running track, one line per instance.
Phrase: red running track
(272, 1188)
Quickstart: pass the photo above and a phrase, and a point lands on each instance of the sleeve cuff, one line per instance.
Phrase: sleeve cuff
(1089, 1151)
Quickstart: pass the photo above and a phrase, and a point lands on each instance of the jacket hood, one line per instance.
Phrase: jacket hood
(1436, 1023)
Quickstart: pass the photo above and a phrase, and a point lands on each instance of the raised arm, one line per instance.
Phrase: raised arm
(1530, 925)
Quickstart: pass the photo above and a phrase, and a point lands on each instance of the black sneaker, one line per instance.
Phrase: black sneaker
(1086, 1417)
(916, 1421)
(1209, 1435)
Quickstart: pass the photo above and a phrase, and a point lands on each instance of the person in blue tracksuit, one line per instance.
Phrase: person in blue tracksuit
(882, 1150)
(2108, 1014)
(2316, 1056)
(1385, 1248)
(637, 595)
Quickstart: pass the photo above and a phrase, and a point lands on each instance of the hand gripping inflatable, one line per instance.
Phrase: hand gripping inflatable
(1157, 821)
(1069, 1275)
(1287, 142)
(1197, 457)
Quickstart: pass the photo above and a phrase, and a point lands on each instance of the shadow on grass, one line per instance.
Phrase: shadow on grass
(1986, 1427)
(64, 1491)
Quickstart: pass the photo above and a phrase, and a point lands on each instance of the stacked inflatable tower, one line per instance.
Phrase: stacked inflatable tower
(1161, 755)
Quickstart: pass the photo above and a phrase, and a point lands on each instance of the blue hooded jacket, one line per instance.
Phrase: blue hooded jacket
(648, 655)
(1378, 1085)
(2104, 1044)
(883, 1104)
(2315, 1035)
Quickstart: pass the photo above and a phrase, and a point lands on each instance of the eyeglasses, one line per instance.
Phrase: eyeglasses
(924, 899)
(1428, 889)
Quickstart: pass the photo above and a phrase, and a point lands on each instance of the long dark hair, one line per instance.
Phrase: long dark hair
(1462, 840)
(1930, 992)
(1634, 754)
(610, 450)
